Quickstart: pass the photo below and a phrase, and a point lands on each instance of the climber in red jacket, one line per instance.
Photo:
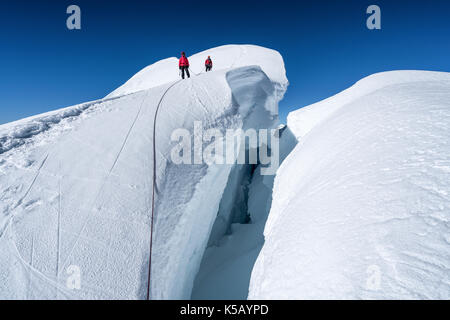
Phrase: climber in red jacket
(208, 64)
(184, 65)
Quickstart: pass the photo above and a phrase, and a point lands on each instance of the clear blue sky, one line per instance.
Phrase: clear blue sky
(325, 44)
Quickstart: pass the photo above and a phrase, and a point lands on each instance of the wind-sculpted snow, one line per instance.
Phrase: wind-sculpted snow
(76, 186)
(224, 58)
(190, 202)
(305, 119)
(361, 206)
(17, 133)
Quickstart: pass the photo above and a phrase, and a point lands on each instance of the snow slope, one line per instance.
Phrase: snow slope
(76, 184)
(361, 207)
(224, 58)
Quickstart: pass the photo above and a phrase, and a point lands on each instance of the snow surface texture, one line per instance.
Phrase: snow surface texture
(361, 206)
(224, 58)
(75, 184)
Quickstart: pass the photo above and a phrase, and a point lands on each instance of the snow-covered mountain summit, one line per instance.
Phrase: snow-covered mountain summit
(76, 184)
(224, 58)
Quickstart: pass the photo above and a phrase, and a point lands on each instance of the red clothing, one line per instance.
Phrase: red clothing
(184, 62)
(208, 62)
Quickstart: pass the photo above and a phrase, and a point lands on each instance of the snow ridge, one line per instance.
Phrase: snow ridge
(90, 172)
(225, 57)
(305, 119)
(361, 206)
